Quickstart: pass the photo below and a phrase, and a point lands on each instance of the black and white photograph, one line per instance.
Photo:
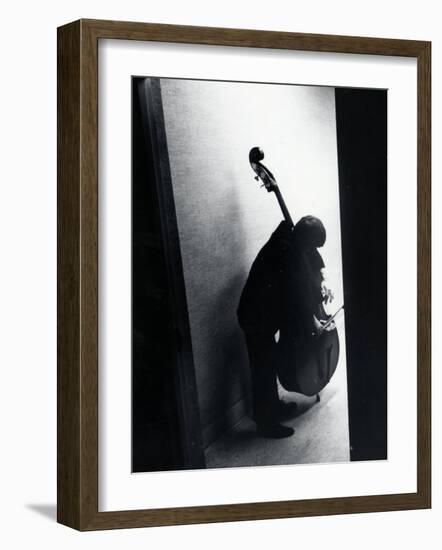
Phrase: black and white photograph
(259, 274)
(220, 231)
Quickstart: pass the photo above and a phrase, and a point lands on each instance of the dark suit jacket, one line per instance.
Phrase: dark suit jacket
(283, 289)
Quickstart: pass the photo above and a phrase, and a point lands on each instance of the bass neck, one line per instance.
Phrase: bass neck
(283, 206)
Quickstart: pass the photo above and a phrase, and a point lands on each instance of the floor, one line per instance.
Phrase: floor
(321, 433)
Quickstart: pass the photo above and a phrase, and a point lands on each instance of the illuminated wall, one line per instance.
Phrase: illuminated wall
(224, 217)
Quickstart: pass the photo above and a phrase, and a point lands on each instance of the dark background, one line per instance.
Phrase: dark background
(361, 117)
(155, 423)
(166, 432)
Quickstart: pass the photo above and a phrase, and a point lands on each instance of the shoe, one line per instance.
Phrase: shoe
(284, 409)
(275, 431)
(287, 409)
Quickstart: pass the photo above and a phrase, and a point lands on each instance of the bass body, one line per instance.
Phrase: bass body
(308, 367)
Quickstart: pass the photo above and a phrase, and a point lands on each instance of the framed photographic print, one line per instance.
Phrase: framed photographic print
(243, 274)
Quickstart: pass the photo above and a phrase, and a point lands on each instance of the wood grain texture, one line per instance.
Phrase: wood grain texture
(424, 274)
(256, 510)
(78, 274)
(68, 276)
(252, 38)
(89, 277)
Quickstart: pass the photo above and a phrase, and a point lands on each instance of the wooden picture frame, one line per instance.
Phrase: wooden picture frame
(77, 388)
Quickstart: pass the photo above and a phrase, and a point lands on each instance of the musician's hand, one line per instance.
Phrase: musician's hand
(319, 325)
(327, 294)
(331, 326)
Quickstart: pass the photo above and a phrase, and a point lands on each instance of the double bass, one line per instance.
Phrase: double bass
(305, 367)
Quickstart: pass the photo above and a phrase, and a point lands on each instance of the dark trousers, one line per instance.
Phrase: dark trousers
(262, 359)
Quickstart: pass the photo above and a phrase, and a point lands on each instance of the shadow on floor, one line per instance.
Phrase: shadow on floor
(49, 511)
(321, 433)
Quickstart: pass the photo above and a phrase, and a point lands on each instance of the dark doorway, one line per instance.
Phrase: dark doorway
(361, 117)
(165, 422)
